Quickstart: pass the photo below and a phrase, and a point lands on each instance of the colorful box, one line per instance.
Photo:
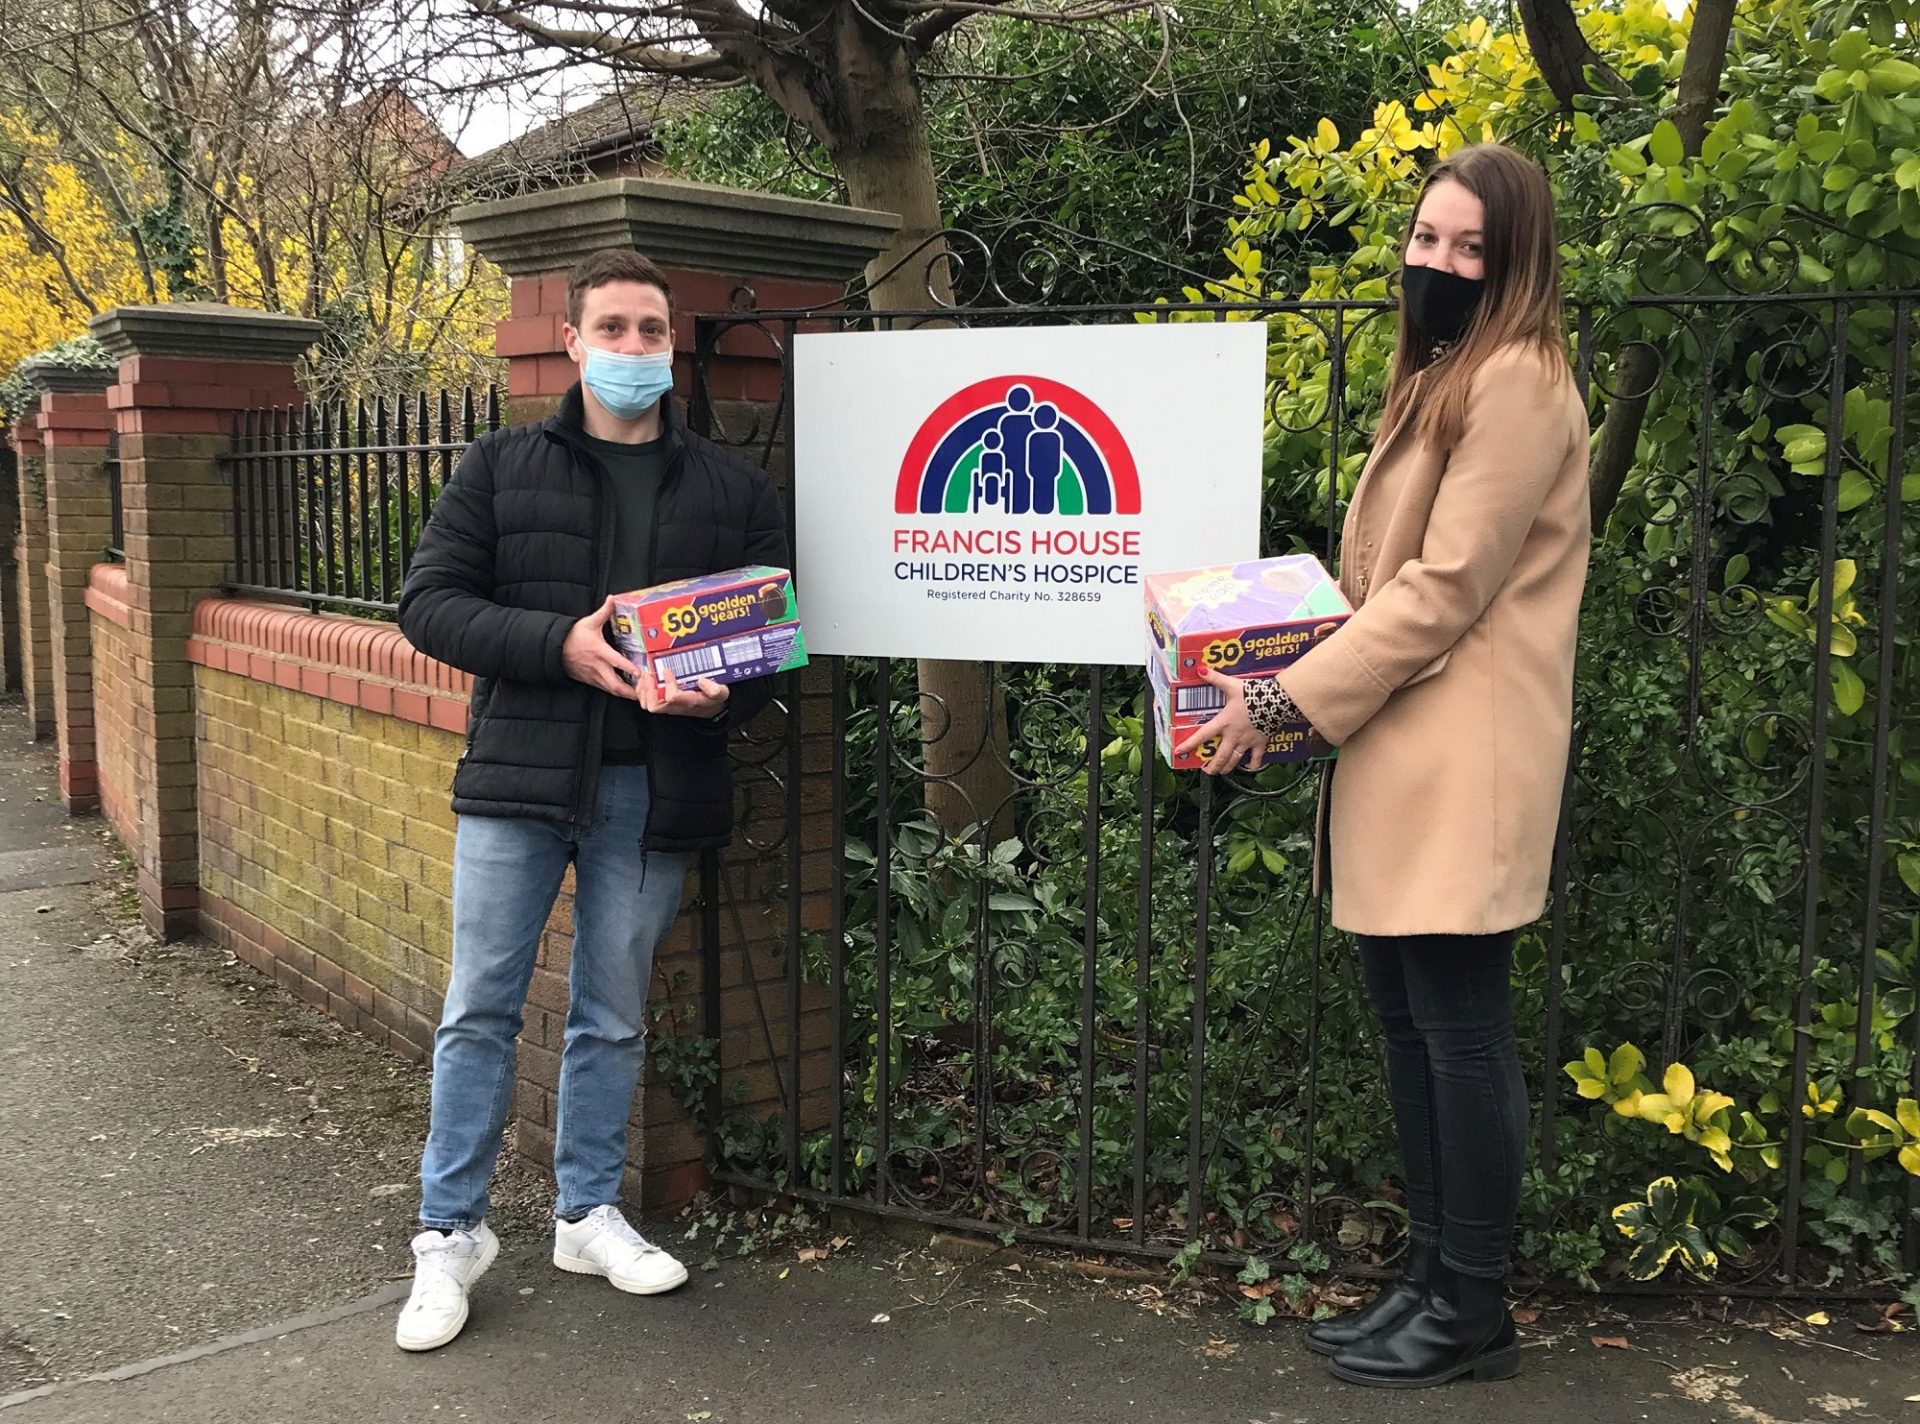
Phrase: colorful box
(1292, 743)
(1245, 620)
(727, 626)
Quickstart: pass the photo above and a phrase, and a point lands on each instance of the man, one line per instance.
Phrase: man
(569, 759)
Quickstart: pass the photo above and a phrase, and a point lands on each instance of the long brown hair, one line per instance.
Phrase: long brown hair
(1521, 304)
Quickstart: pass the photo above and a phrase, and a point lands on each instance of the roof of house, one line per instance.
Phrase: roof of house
(617, 126)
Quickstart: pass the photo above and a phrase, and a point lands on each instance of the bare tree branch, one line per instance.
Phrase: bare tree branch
(635, 53)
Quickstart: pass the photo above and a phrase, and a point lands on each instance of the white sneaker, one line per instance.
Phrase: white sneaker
(444, 1270)
(603, 1244)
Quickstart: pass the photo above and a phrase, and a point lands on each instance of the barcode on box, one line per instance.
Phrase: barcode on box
(1206, 698)
(694, 662)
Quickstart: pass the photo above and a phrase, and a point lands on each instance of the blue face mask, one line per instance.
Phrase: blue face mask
(628, 386)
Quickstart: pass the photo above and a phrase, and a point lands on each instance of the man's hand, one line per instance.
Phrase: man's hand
(588, 657)
(706, 698)
(1238, 738)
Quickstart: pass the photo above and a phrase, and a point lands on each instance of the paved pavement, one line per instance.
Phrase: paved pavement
(207, 1190)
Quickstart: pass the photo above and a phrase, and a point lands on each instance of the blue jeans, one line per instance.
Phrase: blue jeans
(506, 874)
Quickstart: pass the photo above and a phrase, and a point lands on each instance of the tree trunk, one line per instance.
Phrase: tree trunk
(1562, 51)
(1695, 101)
(884, 155)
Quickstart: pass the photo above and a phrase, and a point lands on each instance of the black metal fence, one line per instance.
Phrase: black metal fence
(329, 499)
(1111, 1017)
(117, 527)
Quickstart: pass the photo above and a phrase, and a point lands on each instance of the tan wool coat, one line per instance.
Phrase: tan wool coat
(1449, 692)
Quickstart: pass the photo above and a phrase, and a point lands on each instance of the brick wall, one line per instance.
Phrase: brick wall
(326, 843)
(325, 746)
(11, 624)
(74, 428)
(30, 573)
(113, 700)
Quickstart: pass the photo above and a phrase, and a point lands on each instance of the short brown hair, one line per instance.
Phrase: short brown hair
(612, 264)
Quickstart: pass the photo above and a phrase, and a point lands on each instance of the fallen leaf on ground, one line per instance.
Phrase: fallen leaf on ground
(1887, 1322)
(813, 1253)
(1611, 1342)
(1819, 1317)
(881, 1319)
(1219, 1349)
(1525, 1315)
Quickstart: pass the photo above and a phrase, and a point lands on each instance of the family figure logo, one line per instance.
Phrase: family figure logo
(1018, 445)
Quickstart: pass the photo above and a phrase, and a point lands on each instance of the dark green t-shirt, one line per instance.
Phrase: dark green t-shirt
(633, 473)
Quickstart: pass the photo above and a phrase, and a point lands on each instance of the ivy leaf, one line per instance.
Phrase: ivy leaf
(1895, 76)
(1855, 490)
(1849, 692)
(1627, 161)
(1909, 865)
(1625, 1065)
(1665, 145)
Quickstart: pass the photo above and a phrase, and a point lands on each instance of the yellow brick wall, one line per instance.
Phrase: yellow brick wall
(328, 825)
(113, 727)
(324, 751)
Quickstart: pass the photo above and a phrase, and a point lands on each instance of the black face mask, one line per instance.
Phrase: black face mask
(1439, 304)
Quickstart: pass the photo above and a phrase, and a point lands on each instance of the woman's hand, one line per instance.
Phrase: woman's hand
(1232, 729)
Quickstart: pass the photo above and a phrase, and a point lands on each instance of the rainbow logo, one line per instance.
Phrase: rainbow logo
(1018, 445)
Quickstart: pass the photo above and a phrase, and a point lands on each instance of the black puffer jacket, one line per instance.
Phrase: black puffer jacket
(517, 550)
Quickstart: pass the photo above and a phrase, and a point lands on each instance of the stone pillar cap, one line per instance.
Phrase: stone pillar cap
(208, 330)
(67, 377)
(696, 226)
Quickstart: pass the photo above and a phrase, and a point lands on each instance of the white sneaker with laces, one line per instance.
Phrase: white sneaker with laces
(444, 1270)
(603, 1244)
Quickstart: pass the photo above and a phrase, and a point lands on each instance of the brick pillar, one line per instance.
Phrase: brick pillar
(184, 370)
(722, 250)
(74, 423)
(30, 579)
(10, 622)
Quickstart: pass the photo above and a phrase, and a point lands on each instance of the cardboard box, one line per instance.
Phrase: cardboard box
(1246, 620)
(1292, 743)
(729, 626)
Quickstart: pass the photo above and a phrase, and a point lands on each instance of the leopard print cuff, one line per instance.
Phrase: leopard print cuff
(1269, 706)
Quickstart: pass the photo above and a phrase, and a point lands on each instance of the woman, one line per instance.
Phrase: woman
(1449, 693)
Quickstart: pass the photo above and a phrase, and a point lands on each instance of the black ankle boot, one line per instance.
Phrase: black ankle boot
(1326, 1337)
(1460, 1327)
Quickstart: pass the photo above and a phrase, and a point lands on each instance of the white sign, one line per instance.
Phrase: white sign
(1000, 495)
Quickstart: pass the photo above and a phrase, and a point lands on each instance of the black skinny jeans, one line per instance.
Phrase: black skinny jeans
(1459, 1098)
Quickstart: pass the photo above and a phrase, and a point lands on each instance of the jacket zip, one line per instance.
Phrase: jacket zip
(588, 777)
